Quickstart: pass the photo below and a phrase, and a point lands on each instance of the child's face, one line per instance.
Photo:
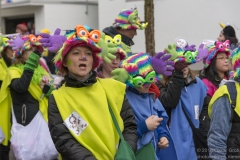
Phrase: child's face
(221, 37)
(144, 88)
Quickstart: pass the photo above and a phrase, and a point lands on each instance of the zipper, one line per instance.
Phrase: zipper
(154, 141)
(24, 114)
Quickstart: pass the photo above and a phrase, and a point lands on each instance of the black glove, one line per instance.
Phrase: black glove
(37, 52)
(179, 66)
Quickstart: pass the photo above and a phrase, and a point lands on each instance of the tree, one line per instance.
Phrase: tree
(149, 31)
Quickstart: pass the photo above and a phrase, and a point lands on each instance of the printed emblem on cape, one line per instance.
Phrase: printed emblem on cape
(75, 123)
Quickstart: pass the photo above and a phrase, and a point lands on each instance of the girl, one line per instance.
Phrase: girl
(79, 119)
(149, 113)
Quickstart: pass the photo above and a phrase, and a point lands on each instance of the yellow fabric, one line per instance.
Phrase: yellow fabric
(5, 101)
(224, 91)
(3, 69)
(100, 136)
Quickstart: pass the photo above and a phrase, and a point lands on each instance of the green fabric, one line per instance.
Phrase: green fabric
(107, 54)
(50, 91)
(146, 152)
(32, 62)
(126, 48)
(39, 72)
(172, 50)
(124, 151)
(120, 74)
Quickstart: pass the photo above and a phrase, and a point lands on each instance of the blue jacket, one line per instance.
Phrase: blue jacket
(143, 106)
(192, 98)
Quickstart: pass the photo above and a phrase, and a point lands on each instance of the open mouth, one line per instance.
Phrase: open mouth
(82, 66)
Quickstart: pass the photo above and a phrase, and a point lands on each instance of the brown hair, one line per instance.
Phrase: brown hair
(17, 60)
(166, 79)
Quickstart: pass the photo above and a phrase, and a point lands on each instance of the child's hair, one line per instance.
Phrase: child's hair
(211, 73)
(166, 79)
(18, 59)
(233, 40)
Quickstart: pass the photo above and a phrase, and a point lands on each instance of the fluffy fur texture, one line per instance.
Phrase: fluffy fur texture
(4, 44)
(28, 45)
(72, 41)
(213, 50)
(235, 56)
(128, 19)
(186, 55)
(138, 64)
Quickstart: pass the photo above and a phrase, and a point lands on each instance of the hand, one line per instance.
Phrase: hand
(46, 88)
(53, 43)
(191, 48)
(153, 122)
(163, 142)
(120, 74)
(16, 43)
(44, 81)
(172, 50)
(179, 66)
(161, 65)
(202, 53)
(106, 54)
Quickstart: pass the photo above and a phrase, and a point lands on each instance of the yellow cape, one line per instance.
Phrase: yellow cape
(224, 91)
(6, 103)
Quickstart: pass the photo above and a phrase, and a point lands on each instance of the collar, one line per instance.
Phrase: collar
(137, 92)
(111, 31)
(189, 81)
(72, 81)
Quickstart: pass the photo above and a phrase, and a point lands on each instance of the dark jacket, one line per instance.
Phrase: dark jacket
(66, 144)
(170, 94)
(24, 105)
(50, 63)
(112, 32)
(204, 117)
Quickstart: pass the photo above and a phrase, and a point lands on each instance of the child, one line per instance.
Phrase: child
(149, 113)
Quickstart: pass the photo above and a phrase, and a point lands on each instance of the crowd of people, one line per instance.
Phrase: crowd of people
(85, 95)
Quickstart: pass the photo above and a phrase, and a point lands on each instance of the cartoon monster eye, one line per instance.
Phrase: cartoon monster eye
(227, 45)
(108, 39)
(118, 39)
(150, 79)
(81, 31)
(32, 38)
(220, 46)
(94, 35)
(139, 83)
